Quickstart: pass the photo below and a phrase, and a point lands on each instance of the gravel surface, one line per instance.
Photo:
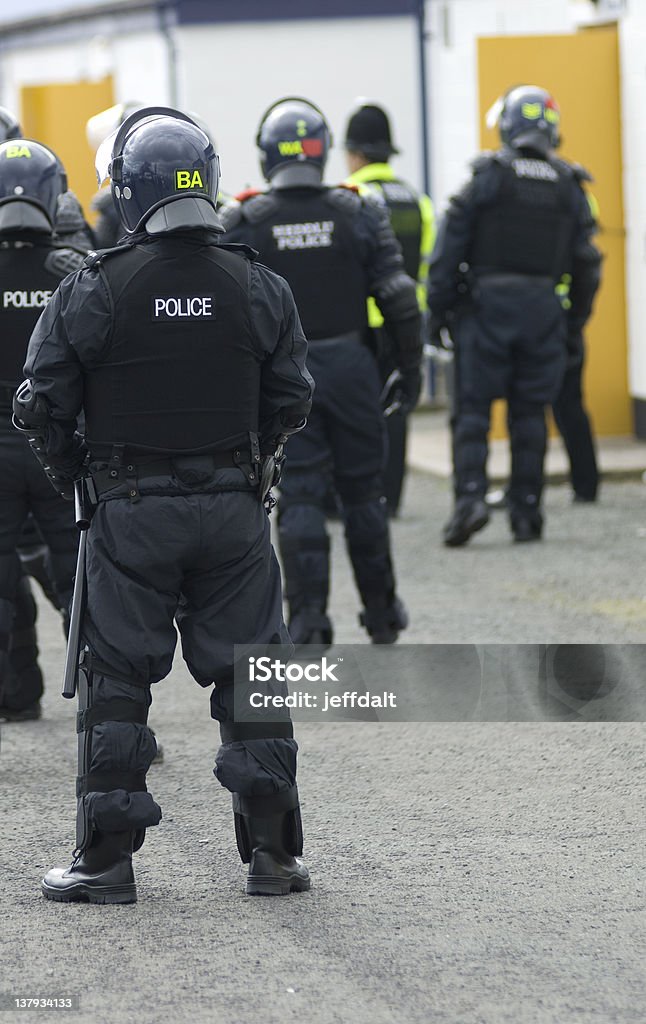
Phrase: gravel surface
(471, 873)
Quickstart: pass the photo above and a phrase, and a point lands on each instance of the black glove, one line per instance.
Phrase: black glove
(574, 349)
(438, 333)
(410, 386)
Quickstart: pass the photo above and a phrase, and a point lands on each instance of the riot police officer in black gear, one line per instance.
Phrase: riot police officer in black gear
(519, 225)
(187, 359)
(335, 248)
(33, 263)
(23, 675)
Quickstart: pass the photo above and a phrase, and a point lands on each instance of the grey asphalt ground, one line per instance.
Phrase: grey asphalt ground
(469, 872)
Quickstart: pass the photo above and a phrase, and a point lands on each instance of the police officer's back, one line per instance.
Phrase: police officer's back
(32, 264)
(369, 148)
(335, 247)
(187, 359)
(509, 236)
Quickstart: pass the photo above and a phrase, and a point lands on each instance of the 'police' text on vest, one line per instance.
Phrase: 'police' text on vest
(37, 299)
(185, 307)
(313, 235)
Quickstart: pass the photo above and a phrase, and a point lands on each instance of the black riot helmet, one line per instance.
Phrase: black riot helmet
(163, 169)
(368, 132)
(31, 180)
(527, 116)
(9, 126)
(294, 140)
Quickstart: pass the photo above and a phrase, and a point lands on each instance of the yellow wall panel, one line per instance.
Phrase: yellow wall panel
(56, 115)
(582, 71)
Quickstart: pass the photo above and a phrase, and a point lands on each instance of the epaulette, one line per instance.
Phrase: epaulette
(63, 261)
(93, 259)
(241, 249)
(248, 193)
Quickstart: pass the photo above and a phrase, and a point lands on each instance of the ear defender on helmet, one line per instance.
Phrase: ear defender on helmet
(527, 116)
(156, 157)
(293, 132)
(31, 180)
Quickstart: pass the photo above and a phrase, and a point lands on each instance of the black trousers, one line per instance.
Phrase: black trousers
(573, 424)
(200, 559)
(345, 434)
(510, 343)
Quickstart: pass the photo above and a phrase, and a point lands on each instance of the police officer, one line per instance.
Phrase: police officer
(369, 147)
(335, 248)
(32, 262)
(509, 236)
(23, 672)
(187, 359)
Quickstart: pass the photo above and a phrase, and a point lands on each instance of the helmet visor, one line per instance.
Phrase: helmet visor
(103, 158)
(492, 117)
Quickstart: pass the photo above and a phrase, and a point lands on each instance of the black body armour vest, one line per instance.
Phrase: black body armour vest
(182, 374)
(406, 220)
(308, 240)
(26, 287)
(529, 228)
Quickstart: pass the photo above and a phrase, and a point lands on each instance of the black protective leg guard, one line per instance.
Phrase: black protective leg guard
(384, 620)
(310, 625)
(100, 874)
(269, 835)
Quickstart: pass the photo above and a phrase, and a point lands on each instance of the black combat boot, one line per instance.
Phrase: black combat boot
(469, 516)
(100, 874)
(269, 845)
(526, 525)
(384, 620)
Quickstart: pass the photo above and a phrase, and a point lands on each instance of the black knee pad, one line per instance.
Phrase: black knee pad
(116, 749)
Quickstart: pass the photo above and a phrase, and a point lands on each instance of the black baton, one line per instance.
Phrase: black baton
(83, 515)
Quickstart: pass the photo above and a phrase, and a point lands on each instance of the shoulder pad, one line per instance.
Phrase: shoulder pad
(581, 173)
(102, 200)
(345, 198)
(486, 159)
(240, 249)
(259, 206)
(62, 262)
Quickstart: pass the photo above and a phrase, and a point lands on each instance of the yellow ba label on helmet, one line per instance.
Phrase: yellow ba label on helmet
(188, 179)
(532, 111)
(13, 151)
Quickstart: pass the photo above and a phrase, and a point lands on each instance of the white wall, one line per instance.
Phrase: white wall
(455, 26)
(231, 73)
(633, 71)
(137, 61)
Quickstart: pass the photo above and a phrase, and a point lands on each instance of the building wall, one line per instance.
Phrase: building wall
(230, 73)
(632, 38)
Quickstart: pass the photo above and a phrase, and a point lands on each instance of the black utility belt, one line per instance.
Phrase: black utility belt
(191, 470)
